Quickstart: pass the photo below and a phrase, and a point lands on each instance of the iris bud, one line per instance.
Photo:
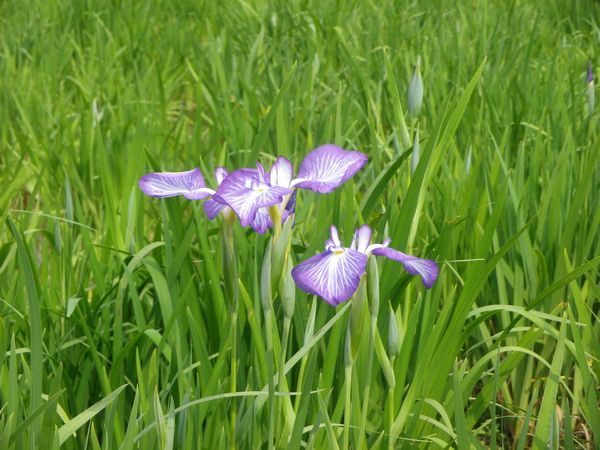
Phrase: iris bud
(468, 160)
(590, 91)
(415, 91)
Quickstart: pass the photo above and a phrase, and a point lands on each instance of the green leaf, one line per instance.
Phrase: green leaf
(69, 428)
(546, 433)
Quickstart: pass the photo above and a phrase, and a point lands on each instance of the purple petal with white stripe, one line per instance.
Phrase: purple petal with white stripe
(220, 174)
(362, 239)
(245, 192)
(281, 172)
(190, 184)
(262, 221)
(332, 275)
(427, 269)
(213, 208)
(290, 206)
(284, 216)
(328, 167)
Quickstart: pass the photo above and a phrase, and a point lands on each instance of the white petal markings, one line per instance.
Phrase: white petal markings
(190, 184)
(333, 275)
(245, 194)
(327, 167)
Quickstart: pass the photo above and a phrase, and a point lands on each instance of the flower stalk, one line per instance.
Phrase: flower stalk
(267, 301)
(232, 291)
(393, 348)
(373, 297)
(414, 160)
(348, 363)
(275, 214)
(288, 298)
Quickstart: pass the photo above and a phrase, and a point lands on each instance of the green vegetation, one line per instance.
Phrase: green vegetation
(115, 325)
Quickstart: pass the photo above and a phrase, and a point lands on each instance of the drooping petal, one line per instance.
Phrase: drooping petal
(262, 221)
(220, 174)
(427, 269)
(281, 172)
(244, 192)
(190, 184)
(213, 208)
(290, 209)
(290, 206)
(332, 275)
(328, 167)
(361, 239)
(285, 215)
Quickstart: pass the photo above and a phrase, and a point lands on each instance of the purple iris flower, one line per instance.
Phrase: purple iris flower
(261, 221)
(191, 185)
(249, 191)
(335, 274)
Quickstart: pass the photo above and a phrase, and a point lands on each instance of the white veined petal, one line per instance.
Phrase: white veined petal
(190, 184)
(333, 275)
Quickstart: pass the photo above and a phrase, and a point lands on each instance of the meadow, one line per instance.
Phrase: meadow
(123, 324)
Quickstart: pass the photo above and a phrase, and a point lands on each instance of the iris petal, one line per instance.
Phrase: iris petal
(220, 174)
(332, 275)
(190, 184)
(427, 269)
(245, 193)
(281, 172)
(334, 236)
(212, 208)
(262, 221)
(328, 167)
(290, 207)
(362, 239)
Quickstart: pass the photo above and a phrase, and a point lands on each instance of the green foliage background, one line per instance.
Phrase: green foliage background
(114, 322)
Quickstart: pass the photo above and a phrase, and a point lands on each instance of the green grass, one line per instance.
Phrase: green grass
(115, 310)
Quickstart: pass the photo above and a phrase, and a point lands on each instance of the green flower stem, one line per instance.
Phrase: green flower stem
(266, 298)
(353, 338)
(390, 410)
(271, 371)
(282, 385)
(232, 290)
(275, 214)
(369, 370)
(373, 296)
(348, 364)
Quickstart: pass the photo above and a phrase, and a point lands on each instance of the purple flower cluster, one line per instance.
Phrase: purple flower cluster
(251, 194)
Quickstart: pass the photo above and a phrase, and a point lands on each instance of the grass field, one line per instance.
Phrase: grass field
(116, 309)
